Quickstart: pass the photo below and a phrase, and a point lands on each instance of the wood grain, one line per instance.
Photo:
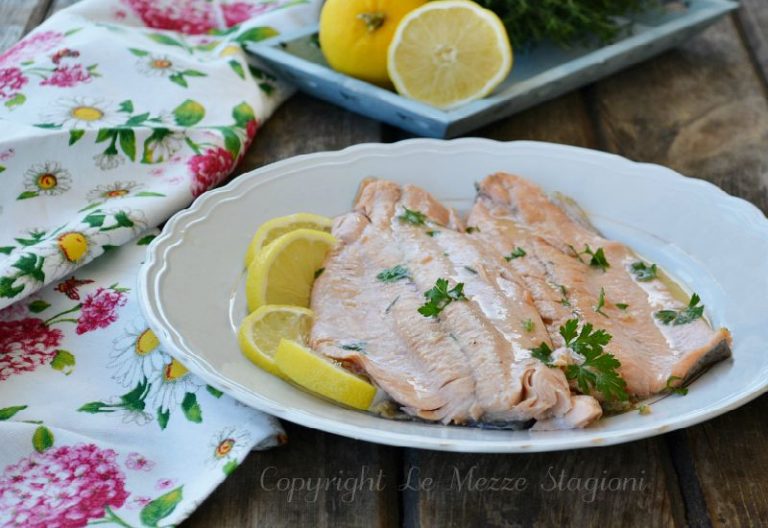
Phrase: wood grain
(753, 19)
(700, 109)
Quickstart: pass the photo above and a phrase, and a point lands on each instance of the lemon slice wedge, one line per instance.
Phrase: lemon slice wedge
(284, 271)
(323, 377)
(277, 227)
(448, 53)
(260, 332)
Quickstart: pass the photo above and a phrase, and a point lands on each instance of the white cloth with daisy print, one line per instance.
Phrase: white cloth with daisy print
(114, 114)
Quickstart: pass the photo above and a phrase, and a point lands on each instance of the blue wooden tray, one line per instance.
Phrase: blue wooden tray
(541, 74)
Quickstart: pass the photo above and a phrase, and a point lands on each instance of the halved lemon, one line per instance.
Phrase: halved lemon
(277, 227)
(261, 331)
(449, 52)
(323, 377)
(284, 271)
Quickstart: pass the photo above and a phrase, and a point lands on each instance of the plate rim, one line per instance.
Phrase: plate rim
(151, 271)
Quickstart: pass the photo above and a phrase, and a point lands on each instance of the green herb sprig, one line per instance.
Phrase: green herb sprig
(675, 318)
(440, 296)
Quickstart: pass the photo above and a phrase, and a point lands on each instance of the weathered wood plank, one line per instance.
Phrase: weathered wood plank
(17, 17)
(701, 109)
(304, 125)
(611, 486)
(753, 18)
(293, 485)
(543, 502)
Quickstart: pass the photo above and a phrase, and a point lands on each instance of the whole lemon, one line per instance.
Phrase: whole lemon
(355, 35)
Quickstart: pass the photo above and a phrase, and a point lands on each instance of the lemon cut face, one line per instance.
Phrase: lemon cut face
(285, 270)
(260, 333)
(277, 227)
(448, 53)
(323, 377)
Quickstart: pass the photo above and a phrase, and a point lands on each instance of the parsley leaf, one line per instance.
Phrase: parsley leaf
(516, 253)
(432, 233)
(543, 353)
(643, 272)
(358, 346)
(319, 272)
(528, 325)
(472, 229)
(393, 274)
(409, 216)
(682, 391)
(440, 296)
(598, 259)
(601, 303)
(675, 318)
(622, 306)
(598, 370)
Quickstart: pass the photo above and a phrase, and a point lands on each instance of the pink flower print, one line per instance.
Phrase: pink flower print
(137, 503)
(99, 310)
(64, 487)
(26, 344)
(11, 81)
(250, 132)
(67, 76)
(63, 53)
(138, 462)
(27, 48)
(192, 17)
(164, 484)
(238, 12)
(209, 168)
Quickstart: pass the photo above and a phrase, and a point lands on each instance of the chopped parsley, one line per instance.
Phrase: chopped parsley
(598, 370)
(472, 229)
(432, 233)
(601, 303)
(622, 306)
(643, 272)
(516, 253)
(644, 409)
(394, 274)
(598, 259)
(410, 216)
(528, 325)
(358, 346)
(319, 272)
(675, 318)
(682, 391)
(564, 295)
(471, 270)
(440, 296)
(543, 353)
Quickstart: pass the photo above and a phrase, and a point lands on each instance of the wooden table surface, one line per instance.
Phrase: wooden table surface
(701, 109)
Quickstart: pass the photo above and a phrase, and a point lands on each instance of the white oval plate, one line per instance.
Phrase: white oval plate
(191, 285)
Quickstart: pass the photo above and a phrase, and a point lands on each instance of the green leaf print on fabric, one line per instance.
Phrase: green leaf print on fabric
(64, 362)
(191, 408)
(75, 135)
(42, 439)
(256, 34)
(29, 265)
(229, 467)
(237, 68)
(162, 417)
(161, 507)
(128, 143)
(9, 412)
(189, 113)
(37, 306)
(242, 114)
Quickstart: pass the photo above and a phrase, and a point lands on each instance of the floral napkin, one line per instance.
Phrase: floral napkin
(114, 114)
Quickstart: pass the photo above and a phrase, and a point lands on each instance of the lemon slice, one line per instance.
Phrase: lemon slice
(323, 377)
(277, 227)
(260, 332)
(284, 271)
(448, 53)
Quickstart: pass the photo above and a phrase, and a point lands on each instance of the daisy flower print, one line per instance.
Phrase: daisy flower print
(83, 113)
